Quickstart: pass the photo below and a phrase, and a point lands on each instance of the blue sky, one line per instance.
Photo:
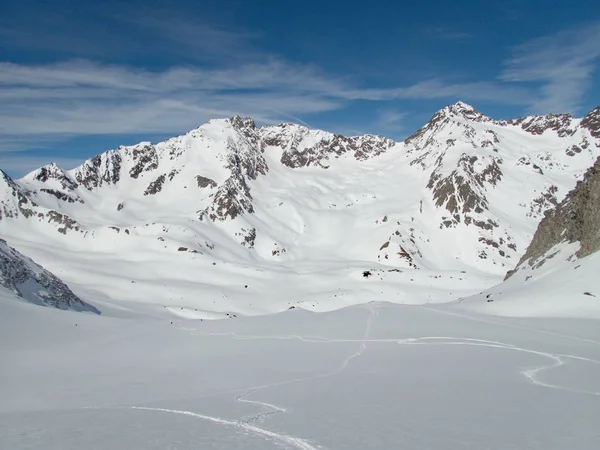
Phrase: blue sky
(78, 78)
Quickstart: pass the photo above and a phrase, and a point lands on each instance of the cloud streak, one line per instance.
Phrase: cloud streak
(79, 97)
(564, 64)
(83, 97)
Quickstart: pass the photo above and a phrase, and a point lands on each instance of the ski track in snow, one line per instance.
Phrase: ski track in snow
(290, 440)
(373, 313)
(248, 424)
(531, 374)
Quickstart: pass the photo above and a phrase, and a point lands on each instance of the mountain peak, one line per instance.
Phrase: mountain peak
(591, 121)
(242, 122)
(51, 172)
(460, 106)
(465, 110)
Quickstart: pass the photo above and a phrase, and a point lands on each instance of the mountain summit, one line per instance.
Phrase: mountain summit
(460, 199)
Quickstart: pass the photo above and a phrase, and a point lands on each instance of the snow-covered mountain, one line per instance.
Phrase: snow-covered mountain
(32, 283)
(558, 274)
(236, 217)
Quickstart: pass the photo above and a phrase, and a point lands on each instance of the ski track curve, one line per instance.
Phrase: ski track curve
(249, 424)
(530, 374)
(274, 409)
(292, 441)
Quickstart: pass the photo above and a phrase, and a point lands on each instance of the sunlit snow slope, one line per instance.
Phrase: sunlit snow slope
(232, 217)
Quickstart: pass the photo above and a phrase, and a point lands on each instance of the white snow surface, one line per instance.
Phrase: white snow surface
(209, 336)
(438, 217)
(372, 376)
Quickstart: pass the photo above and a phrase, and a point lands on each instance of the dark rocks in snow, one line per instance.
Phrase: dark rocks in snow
(53, 172)
(146, 160)
(575, 219)
(204, 182)
(155, 186)
(591, 122)
(34, 284)
(65, 222)
(61, 195)
(361, 147)
(103, 168)
(561, 123)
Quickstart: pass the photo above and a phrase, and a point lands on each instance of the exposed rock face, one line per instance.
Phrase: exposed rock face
(146, 160)
(53, 172)
(156, 186)
(591, 121)
(465, 174)
(303, 147)
(204, 182)
(561, 123)
(361, 147)
(245, 161)
(575, 219)
(35, 284)
(232, 199)
(61, 195)
(103, 168)
(14, 202)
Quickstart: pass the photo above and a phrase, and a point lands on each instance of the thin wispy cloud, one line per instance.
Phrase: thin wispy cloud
(564, 63)
(391, 120)
(83, 97)
(80, 97)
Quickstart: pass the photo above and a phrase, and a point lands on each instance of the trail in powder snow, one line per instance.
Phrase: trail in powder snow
(530, 373)
(283, 438)
(274, 409)
(248, 424)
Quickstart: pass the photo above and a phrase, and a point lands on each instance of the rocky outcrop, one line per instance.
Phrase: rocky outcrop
(155, 186)
(14, 201)
(34, 284)
(52, 172)
(245, 161)
(591, 122)
(102, 169)
(204, 182)
(361, 147)
(145, 158)
(562, 124)
(575, 219)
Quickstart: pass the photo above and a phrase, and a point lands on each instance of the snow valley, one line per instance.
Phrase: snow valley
(454, 275)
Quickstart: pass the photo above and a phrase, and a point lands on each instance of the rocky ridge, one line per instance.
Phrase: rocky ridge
(34, 284)
(574, 220)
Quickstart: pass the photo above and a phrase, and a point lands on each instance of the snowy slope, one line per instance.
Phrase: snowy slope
(375, 376)
(32, 283)
(232, 217)
(558, 274)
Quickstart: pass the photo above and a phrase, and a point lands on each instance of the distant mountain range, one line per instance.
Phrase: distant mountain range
(236, 217)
